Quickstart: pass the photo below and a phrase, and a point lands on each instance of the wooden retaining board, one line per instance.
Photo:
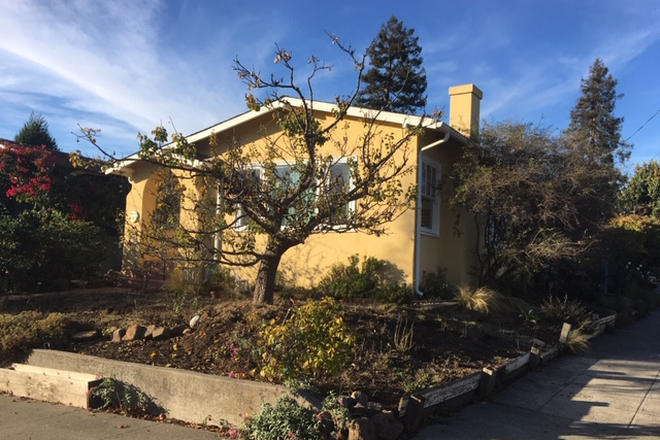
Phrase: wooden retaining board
(442, 393)
(48, 385)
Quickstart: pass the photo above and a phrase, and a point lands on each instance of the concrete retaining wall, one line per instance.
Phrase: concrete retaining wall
(184, 395)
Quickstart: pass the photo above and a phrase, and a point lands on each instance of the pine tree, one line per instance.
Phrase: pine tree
(593, 126)
(35, 132)
(595, 146)
(396, 80)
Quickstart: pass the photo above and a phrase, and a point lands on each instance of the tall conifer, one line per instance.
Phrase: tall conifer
(396, 80)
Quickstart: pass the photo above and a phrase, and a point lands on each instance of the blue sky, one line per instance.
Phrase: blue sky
(128, 65)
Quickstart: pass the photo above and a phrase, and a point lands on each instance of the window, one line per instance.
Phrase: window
(168, 203)
(430, 197)
(241, 217)
(339, 179)
(286, 177)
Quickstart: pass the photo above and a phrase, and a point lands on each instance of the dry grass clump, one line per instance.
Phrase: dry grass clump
(482, 299)
(557, 310)
(577, 341)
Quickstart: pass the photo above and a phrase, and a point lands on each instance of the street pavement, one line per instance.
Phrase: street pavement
(610, 392)
(22, 419)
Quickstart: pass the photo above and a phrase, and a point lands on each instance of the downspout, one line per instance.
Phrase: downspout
(217, 240)
(418, 229)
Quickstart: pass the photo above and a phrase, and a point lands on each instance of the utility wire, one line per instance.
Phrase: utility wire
(643, 125)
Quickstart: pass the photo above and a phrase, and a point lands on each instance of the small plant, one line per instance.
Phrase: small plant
(556, 311)
(435, 285)
(530, 318)
(314, 341)
(403, 334)
(419, 380)
(30, 329)
(577, 341)
(482, 299)
(122, 397)
(337, 414)
(283, 421)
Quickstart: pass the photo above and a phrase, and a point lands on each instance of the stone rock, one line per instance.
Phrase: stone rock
(85, 336)
(178, 330)
(194, 321)
(118, 334)
(365, 411)
(347, 402)
(161, 333)
(387, 427)
(362, 429)
(149, 332)
(134, 332)
(360, 397)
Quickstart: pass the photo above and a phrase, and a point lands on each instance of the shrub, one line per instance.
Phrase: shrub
(30, 329)
(482, 299)
(435, 285)
(373, 278)
(556, 310)
(41, 248)
(314, 342)
(349, 281)
(284, 420)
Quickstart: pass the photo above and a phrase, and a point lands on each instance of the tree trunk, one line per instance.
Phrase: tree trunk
(265, 283)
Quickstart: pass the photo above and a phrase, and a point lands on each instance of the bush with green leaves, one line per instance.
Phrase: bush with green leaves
(31, 329)
(314, 341)
(370, 278)
(282, 421)
(45, 249)
(435, 285)
(115, 395)
(352, 280)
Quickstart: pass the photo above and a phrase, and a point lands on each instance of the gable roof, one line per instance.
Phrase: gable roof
(122, 166)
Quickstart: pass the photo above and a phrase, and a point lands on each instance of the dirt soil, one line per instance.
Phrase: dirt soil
(447, 342)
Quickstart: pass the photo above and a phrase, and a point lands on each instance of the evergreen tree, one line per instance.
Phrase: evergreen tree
(594, 142)
(35, 132)
(396, 80)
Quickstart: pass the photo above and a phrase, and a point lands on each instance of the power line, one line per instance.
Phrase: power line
(643, 125)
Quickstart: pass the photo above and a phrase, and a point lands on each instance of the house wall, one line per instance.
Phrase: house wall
(306, 264)
(453, 248)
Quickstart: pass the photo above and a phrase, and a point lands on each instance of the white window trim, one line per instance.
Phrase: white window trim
(434, 230)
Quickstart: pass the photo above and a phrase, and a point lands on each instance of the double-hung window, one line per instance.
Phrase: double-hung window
(430, 197)
(338, 184)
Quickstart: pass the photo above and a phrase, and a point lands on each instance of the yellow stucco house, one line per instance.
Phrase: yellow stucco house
(420, 240)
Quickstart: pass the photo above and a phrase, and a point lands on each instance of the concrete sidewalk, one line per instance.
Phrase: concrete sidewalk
(22, 419)
(612, 392)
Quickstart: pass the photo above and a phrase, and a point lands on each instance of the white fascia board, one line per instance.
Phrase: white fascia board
(326, 107)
